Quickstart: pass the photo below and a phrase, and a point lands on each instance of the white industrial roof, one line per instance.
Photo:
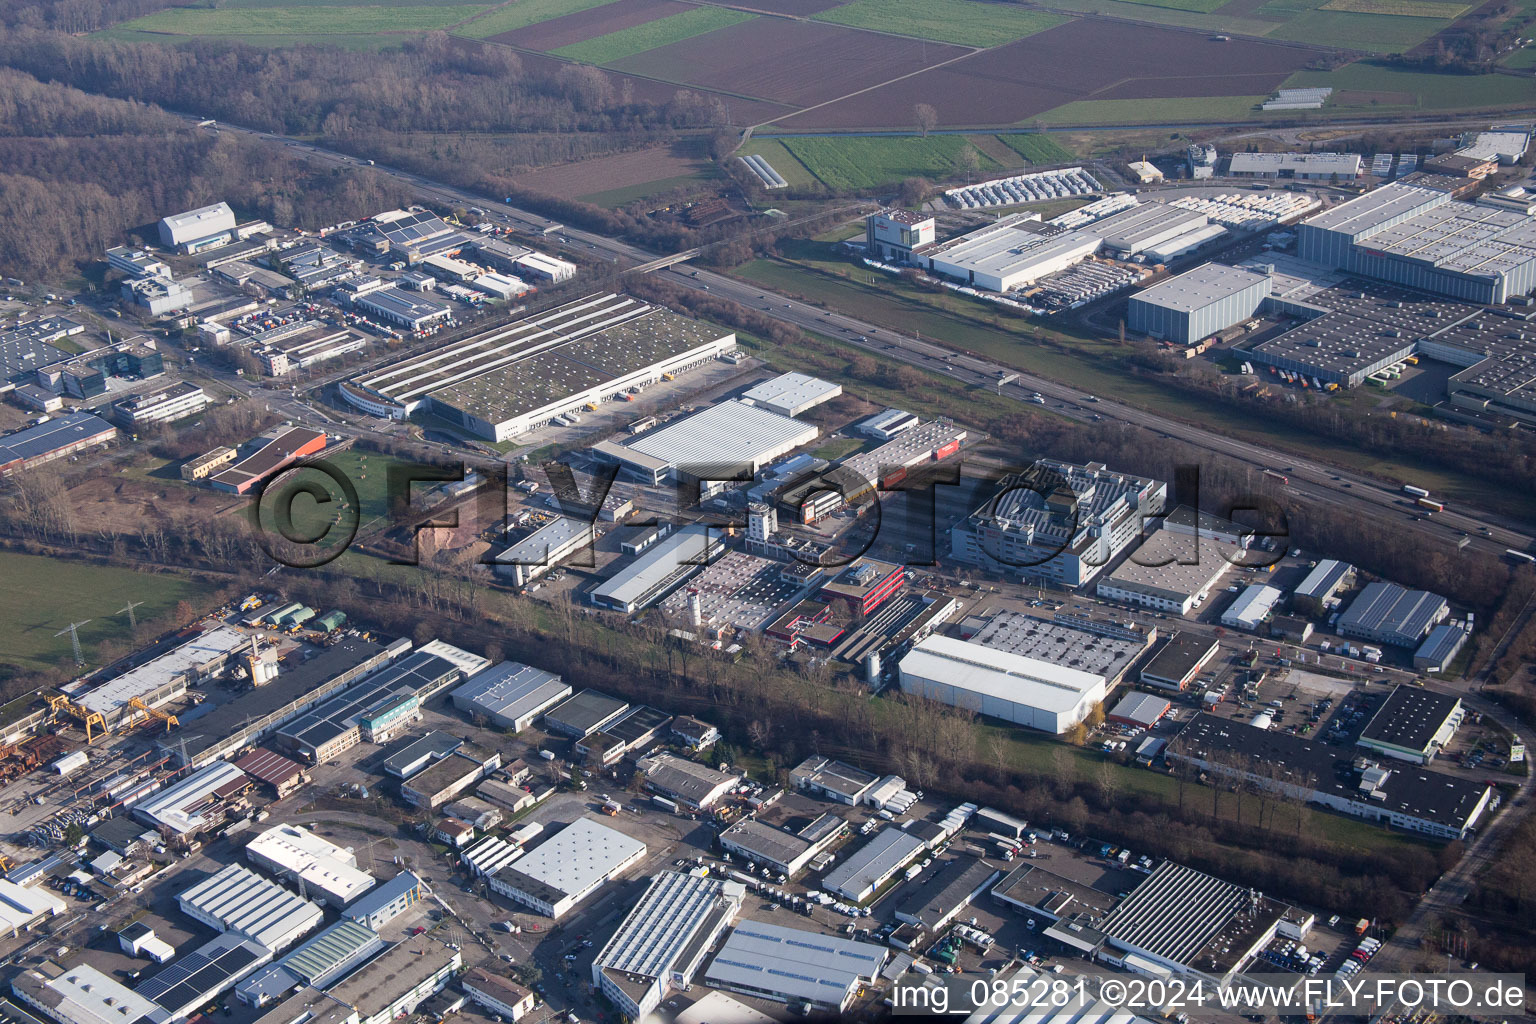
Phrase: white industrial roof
(1008, 251)
(662, 924)
(1035, 1004)
(1200, 287)
(887, 850)
(242, 901)
(490, 855)
(211, 646)
(512, 690)
(579, 855)
(1344, 164)
(547, 543)
(792, 392)
(466, 661)
(20, 905)
(999, 674)
(730, 433)
(320, 863)
(1252, 605)
(688, 546)
(194, 218)
(822, 968)
(180, 807)
(87, 996)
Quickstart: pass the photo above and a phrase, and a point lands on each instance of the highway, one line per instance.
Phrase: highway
(1350, 493)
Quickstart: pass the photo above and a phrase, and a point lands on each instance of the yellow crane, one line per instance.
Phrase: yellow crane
(62, 705)
(149, 712)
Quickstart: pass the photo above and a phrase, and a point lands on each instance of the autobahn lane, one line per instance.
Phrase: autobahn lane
(1350, 492)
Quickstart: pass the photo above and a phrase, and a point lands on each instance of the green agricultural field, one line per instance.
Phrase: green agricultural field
(627, 42)
(781, 160)
(521, 14)
(963, 22)
(1193, 110)
(850, 163)
(1037, 148)
(1372, 84)
(1523, 58)
(301, 21)
(1183, 16)
(1194, 6)
(1376, 33)
(44, 595)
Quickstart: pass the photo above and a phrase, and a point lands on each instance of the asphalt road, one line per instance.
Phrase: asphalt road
(1352, 494)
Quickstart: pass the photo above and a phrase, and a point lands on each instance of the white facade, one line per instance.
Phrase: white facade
(663, 940)
(1016, 689)
(195, 229)
(20, 906)
(1252, 607)
(236, 899)
(568, 867)
(1004, 258)
(325, 869)
(84, 995)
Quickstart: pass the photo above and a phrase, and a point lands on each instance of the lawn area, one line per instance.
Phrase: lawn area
(44, 595)
(1523, 58)
(1037, 148)
(1357, 83)
(368, 473)
(963, 22)
(300, 21)
(616, 197)
(850, 163)
(839, 449)
(1193, 110)
(1196, 18)
(1377, 33)
(781, 160)
(627, 42)
(522, 13)
(1399, 8)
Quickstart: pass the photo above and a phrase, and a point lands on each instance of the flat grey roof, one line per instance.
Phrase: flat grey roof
(586, 710)
(1191, 918)
(1045, 640)
(885, 851)
(511, 689)
(1200, 287)
(727, 433)
(1365, 214)
(790, 962)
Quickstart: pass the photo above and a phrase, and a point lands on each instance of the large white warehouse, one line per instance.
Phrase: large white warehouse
(1005, 257)
(519, 376)
(1018, 689)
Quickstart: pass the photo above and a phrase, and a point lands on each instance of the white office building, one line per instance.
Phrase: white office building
(568, 867)
(324, 869)
(1014, 688)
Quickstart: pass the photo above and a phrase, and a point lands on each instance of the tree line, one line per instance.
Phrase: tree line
(79, 173)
